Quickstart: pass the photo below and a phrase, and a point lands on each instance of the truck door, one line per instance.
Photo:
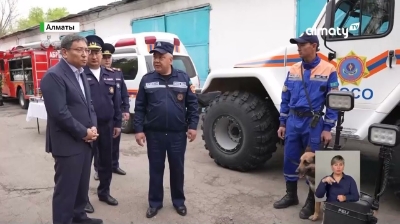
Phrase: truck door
(4, 79)
(366, 55)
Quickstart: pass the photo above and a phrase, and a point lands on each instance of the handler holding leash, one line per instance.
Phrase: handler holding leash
(165, 115)
(301, 123)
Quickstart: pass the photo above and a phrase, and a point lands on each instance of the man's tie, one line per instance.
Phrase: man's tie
(80, 81)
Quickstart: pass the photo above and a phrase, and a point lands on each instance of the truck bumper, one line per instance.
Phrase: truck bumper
(204, 99)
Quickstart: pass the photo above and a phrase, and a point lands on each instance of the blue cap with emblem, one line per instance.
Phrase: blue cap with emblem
(163, 47)
(95, 42)
(108, 49)
(305, 38)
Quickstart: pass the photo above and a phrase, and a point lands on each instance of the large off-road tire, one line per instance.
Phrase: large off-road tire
(240, 130)
(394, 173)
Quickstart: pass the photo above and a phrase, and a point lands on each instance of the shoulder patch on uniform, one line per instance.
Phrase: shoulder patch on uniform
(116, 69)
(193, 88)
(110, 69)
(181, 72)
(150, 73)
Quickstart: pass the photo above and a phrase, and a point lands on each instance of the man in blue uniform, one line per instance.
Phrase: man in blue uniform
(165, 115)
(107, 104)
(108, 50)
(302, 124)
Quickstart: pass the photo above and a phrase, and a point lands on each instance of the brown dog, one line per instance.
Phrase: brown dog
(306, 169)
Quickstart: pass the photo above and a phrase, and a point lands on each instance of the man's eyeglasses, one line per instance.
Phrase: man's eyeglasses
(82, 50)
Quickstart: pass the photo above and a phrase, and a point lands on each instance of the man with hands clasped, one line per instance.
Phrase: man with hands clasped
(71, 129)
(165, 115)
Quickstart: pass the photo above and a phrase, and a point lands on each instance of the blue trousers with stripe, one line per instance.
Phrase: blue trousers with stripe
(298, 136)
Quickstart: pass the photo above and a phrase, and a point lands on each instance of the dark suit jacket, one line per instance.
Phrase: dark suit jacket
(69, 114)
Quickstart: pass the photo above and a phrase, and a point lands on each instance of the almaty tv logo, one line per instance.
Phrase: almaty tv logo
(333, 31)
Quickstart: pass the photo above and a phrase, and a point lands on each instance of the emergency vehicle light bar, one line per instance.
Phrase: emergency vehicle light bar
(126, 42)
(153, 40)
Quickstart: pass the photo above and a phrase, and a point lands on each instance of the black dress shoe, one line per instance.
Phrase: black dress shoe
(181, 210)
(89, 208)
(151, 212)
(109, 200)
(119, 171)
(87, 221)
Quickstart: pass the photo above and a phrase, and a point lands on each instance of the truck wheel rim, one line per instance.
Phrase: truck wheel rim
(227, 134)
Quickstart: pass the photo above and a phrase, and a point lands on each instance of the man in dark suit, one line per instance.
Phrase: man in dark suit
(71, 129)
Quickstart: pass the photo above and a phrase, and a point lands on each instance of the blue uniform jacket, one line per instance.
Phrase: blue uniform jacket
(106, 100)
(123, 91)
(320, 78)
(165, 105)
(347, 187)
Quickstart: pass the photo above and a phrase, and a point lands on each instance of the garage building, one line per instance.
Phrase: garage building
(216, 33)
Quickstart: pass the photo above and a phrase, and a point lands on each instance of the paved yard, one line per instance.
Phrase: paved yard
(214, 195)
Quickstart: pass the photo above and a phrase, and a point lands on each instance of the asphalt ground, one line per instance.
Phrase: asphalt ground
(214, 195)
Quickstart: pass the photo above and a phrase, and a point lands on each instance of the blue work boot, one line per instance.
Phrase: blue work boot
(309, 207)
(290, 198)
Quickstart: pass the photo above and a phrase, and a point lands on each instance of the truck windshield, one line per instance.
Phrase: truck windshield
(180, 62)
(369, 18)
(128, 66)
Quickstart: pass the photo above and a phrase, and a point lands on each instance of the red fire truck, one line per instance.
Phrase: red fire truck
(22, 68)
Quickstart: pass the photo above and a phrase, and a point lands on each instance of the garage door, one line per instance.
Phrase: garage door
(155, 24)
(192, 27)
(307, 13)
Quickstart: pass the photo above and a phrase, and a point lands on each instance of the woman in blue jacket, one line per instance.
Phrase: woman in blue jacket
(338, 187)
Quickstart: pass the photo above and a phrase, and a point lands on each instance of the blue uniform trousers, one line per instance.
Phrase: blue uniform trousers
(115, 152)
(298, 136)
(160, 144)
(104, 157)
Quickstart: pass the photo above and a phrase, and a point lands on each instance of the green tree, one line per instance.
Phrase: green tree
(37, 15)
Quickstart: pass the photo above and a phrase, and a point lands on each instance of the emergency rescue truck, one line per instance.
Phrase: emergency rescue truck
(23, 67)
(240, 124)
(133, 58)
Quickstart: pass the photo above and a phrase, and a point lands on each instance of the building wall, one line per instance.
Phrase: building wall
(238, 29)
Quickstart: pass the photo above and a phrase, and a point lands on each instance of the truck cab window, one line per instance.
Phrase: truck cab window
(1, 65)
(128, 66)
(364, 19)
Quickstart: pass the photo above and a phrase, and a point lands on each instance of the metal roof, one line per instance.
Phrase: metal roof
(71, 16)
